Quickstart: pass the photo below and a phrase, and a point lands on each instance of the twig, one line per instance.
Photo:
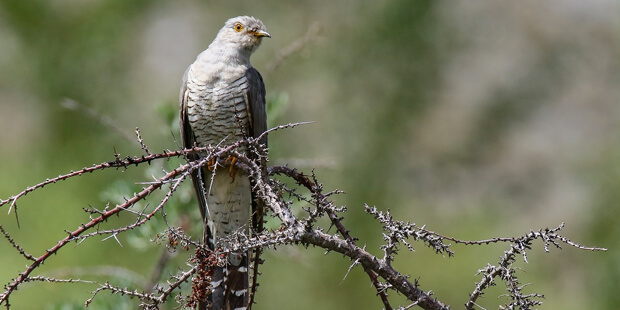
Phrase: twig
(15, 245)
(142, 145)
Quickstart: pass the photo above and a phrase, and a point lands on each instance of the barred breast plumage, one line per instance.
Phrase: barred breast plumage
(218, 112)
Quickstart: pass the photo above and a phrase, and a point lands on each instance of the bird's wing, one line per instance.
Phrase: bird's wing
(189, 140)
(256, 104)
(258, 125)
(186, 130)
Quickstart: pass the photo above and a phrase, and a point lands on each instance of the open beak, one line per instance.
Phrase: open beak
(262, 33)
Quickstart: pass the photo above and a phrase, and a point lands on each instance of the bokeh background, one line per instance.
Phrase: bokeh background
(476, 118)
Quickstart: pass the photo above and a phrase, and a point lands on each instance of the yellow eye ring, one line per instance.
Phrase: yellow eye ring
(238, 27)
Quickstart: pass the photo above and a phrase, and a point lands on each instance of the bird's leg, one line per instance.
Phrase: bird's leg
(233, 170)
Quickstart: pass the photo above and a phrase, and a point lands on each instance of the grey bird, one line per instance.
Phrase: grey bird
(223, 101)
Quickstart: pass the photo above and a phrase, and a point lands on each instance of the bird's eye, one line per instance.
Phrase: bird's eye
(238, 27)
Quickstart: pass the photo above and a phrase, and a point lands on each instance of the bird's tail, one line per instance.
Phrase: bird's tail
(227, 212)
(230, 283)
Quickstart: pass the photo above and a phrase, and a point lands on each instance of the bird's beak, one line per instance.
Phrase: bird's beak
(262, 33)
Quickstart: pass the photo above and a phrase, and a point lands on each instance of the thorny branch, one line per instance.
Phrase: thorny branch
(183, 170)
(304, 181)
(294, 229)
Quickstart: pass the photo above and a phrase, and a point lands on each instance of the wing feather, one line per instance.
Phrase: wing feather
(189, 140)
(256, 104)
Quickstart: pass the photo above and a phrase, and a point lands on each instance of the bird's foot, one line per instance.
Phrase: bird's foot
(233, 170)
(211, 164)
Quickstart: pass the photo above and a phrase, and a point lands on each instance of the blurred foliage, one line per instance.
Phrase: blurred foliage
(604, 228)
(476, 119)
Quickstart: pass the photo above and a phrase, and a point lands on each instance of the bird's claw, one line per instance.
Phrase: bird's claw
(211, 164)
(233, 170)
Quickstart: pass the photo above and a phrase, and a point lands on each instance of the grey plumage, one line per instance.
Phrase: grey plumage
(222, 101)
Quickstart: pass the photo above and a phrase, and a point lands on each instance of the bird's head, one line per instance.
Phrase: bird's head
(245, 32)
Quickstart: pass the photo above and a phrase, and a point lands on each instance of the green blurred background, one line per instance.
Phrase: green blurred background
(476, 118)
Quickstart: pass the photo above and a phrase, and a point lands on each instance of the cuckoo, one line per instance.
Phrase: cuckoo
(222, 102)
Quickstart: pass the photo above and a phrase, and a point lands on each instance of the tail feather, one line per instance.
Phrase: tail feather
(230, 285)
(227, 208)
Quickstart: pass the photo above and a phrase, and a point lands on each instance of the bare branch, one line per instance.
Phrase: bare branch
(142, 145)
(295, 228)
(15, 245)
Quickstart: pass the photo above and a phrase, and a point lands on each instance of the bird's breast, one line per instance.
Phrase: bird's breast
(216, 105)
